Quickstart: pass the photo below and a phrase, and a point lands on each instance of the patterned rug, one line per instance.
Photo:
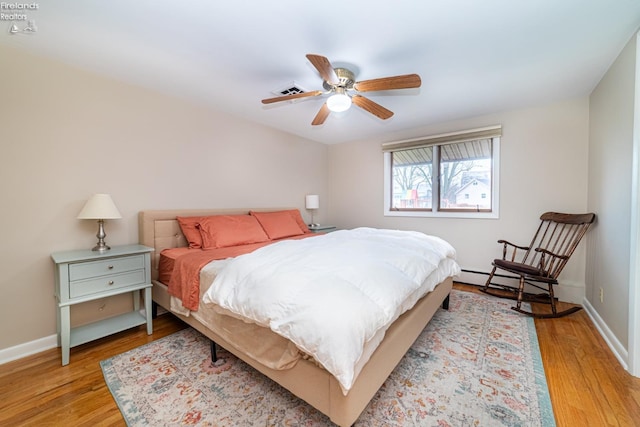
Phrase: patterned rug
(477, 364)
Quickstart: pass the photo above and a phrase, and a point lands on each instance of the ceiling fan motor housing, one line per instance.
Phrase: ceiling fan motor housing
(346, 79)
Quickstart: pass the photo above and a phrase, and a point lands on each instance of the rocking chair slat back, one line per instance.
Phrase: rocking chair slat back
(556, 239)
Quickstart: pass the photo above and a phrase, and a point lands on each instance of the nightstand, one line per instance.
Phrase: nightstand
(86, 275)
(322, 228)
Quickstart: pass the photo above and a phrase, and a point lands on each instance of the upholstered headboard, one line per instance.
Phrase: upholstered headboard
(159, 229)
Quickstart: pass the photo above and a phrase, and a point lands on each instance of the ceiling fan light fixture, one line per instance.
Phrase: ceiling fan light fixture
(339, 101)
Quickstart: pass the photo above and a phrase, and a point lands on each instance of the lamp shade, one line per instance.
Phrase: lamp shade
(99, 206)
(312, 201)
(339, 101)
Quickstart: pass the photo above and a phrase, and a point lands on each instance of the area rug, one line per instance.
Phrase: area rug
(477, 364)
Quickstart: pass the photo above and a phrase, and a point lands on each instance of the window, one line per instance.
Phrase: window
(453, 175)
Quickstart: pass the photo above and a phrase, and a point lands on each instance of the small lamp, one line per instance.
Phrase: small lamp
(312, 202)
(339, 101)
(100, 207)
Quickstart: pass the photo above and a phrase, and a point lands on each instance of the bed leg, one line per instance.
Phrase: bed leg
(154, 309)
(445, 303)
(214, 354)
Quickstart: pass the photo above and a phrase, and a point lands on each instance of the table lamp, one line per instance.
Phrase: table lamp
(100, 207)
(312, 202)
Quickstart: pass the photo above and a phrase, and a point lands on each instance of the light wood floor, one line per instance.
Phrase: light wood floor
(588, 387)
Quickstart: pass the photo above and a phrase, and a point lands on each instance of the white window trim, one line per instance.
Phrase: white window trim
(495, 187)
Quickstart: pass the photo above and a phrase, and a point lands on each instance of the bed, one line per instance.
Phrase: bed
(305, 378)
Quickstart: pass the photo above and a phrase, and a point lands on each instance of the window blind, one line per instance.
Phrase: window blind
(446, 138)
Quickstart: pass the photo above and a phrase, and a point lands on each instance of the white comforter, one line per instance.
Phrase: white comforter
(335, 293)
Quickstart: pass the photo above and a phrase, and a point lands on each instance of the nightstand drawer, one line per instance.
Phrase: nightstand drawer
(87, 270)
(80, 288)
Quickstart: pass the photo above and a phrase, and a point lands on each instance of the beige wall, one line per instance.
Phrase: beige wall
(610, 186)
(66, 134)
(543, 168)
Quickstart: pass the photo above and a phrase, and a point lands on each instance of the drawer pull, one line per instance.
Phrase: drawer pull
(111, 282)
(110, 267)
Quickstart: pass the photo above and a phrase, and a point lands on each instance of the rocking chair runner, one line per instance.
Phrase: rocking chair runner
(541, 262)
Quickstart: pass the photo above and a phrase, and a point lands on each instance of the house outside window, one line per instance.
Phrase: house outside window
(451, 175)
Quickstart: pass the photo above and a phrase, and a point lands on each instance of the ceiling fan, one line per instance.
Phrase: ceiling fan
(344, 90)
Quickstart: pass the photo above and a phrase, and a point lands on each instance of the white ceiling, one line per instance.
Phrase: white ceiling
(474, 57)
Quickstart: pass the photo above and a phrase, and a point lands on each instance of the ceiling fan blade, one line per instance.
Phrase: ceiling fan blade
(290, 97)
(406, 81)
(322, 115)
(324, 67)
(372, 107)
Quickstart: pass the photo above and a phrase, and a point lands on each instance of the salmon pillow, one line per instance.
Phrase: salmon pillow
(189, 227)
(295, 213)
(221, 231)
(278, 224)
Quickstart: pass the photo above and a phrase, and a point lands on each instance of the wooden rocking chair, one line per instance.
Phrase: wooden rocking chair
(541, 262)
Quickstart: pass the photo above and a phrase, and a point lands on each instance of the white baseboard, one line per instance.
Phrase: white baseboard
(614, 344)
(27, 349)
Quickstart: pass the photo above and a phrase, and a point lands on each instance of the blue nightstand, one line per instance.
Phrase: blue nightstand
(322, 228)
(87, 275)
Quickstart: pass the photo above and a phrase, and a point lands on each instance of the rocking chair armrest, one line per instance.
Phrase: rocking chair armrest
(513, 250)
(506, 242)
(547, 252)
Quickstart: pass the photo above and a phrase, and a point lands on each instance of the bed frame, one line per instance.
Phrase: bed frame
(160, 230)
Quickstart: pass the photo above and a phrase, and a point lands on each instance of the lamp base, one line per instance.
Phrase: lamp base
(101, 247)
